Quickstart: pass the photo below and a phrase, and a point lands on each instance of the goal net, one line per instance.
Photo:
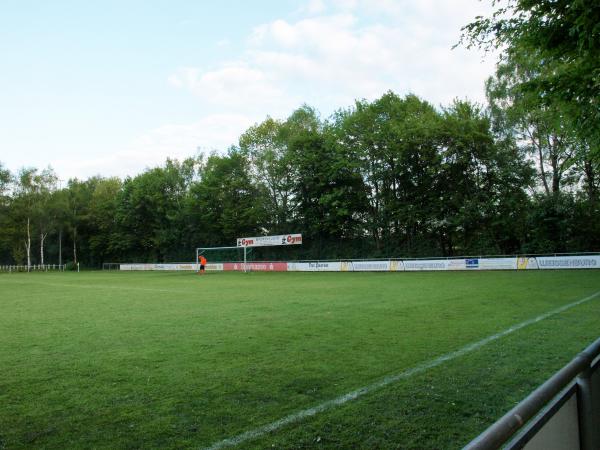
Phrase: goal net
(247, 251)
(223, 255)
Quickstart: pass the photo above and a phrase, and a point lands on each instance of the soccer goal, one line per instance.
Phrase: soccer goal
(223, 255)
(241, 253)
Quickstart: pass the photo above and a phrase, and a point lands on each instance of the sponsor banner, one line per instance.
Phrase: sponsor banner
(315, 267)
(180, 266)
(137, 266)
(569, 262)
(265, 241)
(170, 266)
(472, 263)
(463, 264)
(367, 266)
(498, 264)
(257, 267)
(526, 263)
(426, 264)
(397, 266)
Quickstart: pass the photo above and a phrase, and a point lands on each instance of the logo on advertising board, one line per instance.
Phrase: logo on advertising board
(526, 263)
(396, 266)
(472, 263)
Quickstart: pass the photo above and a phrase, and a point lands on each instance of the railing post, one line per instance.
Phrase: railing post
(588, 434)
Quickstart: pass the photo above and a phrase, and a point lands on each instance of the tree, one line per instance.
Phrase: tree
(483, 197)
(31, 207)
(6, 180)
(267, 150)
(396, 142)
(103, 226)
(563, 39)
(224, 204)
(546, 134)
(151, 211)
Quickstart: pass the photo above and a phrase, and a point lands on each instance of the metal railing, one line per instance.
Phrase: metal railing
(33, 268)
(567, 406)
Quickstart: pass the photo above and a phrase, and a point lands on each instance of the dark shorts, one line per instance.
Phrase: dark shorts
(201, 266)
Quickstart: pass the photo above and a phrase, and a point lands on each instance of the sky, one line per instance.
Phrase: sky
(111, 88)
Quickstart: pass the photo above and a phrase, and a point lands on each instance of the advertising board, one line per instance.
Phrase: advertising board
(257, 267)
(170, 266)
(569, 262)
(512, 263)
(498, 264)
(333, 266)
(527, 263)
(426, 264)
(365, 266)
(461, 264)
(267, 241)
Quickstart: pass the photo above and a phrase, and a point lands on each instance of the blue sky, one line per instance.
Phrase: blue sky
(113, 87)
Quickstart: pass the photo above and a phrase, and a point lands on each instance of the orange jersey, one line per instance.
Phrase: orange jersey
(203, 260)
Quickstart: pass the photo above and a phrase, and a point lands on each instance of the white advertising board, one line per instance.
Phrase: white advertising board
(136, 266)
(365, 266)
(170, 266)
(266, 241)
(334, 266)
(426, 264)
(462, 264)
(498, 264)
(569, 262)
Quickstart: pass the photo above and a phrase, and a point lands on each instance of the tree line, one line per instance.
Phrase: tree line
(391, 177)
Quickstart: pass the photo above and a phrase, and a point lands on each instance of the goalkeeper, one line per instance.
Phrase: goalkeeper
(202, 260)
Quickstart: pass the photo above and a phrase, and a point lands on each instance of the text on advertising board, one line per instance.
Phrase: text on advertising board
(264, 241)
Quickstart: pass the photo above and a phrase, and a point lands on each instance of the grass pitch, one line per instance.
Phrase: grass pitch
(176, 360)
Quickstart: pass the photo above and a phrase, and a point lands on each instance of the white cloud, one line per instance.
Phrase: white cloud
(358, 49)
(316, 7)
(211, 133)
(340, 51)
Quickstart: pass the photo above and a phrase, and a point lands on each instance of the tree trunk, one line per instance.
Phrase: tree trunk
(42, 239)
(28, 245)
(75, 245)
(555, 176)
(590, 180)
(542, 170)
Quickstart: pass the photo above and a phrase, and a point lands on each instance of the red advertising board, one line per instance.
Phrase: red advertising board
(257, 266)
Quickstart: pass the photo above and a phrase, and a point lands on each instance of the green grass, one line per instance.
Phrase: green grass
(174, 360)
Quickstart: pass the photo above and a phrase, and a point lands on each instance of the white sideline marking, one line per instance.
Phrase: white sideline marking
(352, 395)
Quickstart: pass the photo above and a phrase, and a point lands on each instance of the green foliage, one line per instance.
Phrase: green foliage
(561, 40)
(224, 204)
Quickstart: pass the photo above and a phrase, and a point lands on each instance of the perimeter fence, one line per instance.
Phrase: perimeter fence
(33, 268)
(469, 263)
(562, 414)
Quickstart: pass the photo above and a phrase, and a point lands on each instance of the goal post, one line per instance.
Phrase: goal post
(225, 254)
(245, 246)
